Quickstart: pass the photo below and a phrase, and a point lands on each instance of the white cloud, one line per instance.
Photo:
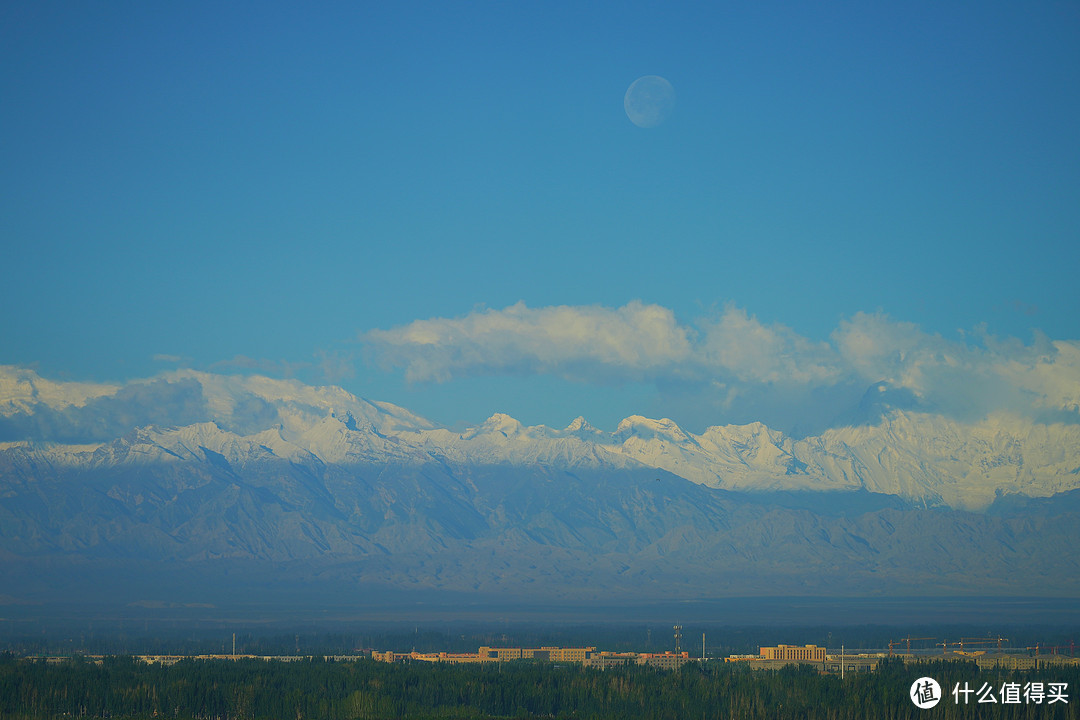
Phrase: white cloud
(734, 359)
(961, 378)
(588, 343)
(750, 351)
(1047, 372)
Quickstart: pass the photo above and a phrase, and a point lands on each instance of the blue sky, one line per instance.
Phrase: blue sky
(290, 190)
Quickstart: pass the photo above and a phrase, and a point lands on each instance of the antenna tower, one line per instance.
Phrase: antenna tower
(678, 639)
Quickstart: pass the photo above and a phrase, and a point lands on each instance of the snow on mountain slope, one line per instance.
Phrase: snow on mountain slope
(924, 458)
(503, 440)
(921, 457)
(21, 389)
(191, 443)
(927, 456)
(229, 399)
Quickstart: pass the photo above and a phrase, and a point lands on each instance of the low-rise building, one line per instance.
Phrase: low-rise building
(490, 654)
(606, 659)
(553, 654)
(775, 658)
(501, 654)
(1012, 661)
(664, 661)
(570, 654)
(841, 664)
(812, 653)
(460, 658)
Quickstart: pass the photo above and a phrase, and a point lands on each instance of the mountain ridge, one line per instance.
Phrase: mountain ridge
(918, 456)
(285, 484)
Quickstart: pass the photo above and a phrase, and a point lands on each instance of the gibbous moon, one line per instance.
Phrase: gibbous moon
(649, 101)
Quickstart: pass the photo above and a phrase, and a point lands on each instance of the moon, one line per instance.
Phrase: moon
(649, 101)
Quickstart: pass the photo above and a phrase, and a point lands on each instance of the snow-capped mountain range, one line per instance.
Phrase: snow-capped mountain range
(203, 488)
(926, 459)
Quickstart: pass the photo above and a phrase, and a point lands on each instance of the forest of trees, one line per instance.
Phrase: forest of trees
(121, 687)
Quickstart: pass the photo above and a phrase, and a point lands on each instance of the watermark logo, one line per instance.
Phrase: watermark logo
(925, 693)
(1011, 693)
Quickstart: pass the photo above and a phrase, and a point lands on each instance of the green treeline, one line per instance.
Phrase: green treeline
(237, 690)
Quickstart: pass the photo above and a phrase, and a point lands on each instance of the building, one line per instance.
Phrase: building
(578, 655)
(843, 664)
(809, 653)
(664, 661)
(586, 656)
(607, 659)
(1013, 661)
(552, 654)
(490, 654)
(500, 654)
(460, 658)
(774, 658)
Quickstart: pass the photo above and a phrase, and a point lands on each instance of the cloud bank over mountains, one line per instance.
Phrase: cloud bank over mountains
(724, 368)
(738, 364)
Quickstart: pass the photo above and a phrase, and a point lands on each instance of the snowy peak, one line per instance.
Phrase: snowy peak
(500, 423)
(639, 426)
(581, 429)
(578, 424)
(752, 445)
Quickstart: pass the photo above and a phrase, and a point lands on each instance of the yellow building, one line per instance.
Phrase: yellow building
(811, 653)
(490, 653)
(664, 661)
(606, 659)
(459, 658)
(570, 654)
(554, 654)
